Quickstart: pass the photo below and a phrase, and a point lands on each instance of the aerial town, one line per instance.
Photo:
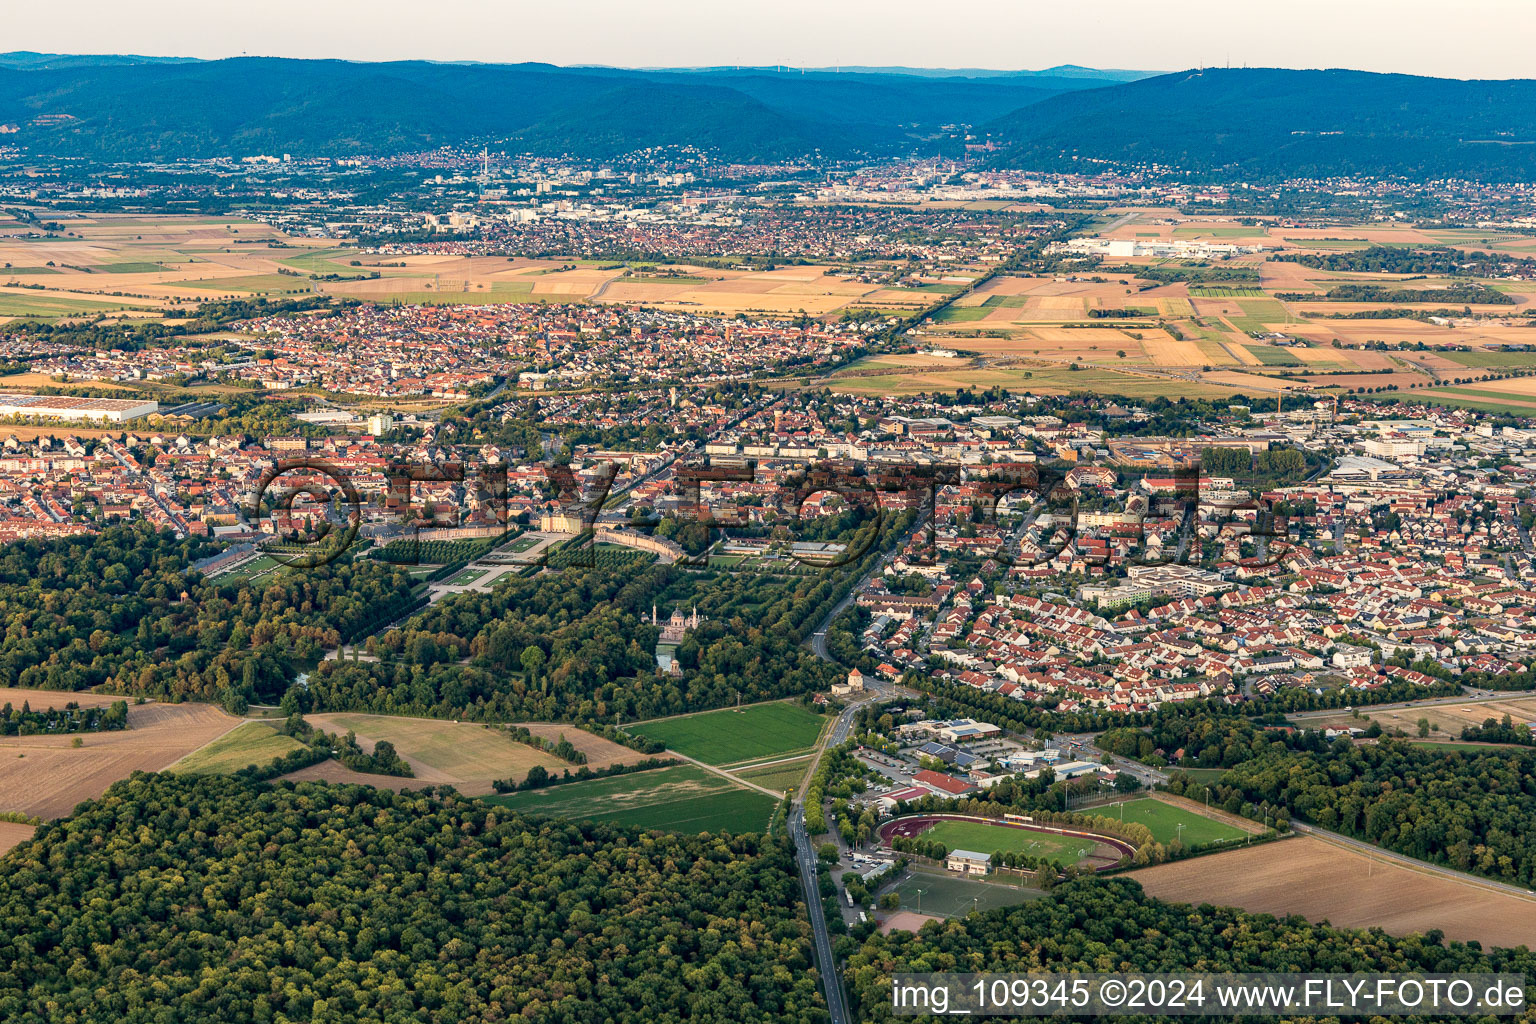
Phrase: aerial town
(647, 538)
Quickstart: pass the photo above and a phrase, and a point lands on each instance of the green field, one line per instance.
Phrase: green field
(982, 838)
(466, 577)
(255, 284)
(44, 304)
(130, 268)
(1498, 358)
(945, 896)
(1164, 821)
(1269, 355)
(1258, 314)
(251, 743)
(729, 736)
(683, 798)
(960, 314)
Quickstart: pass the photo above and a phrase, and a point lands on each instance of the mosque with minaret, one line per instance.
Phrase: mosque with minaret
(676, 626)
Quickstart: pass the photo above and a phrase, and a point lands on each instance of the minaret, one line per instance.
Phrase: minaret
(653, 613)
(694, 624)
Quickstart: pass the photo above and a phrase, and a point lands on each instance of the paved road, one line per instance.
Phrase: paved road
(805, 857)
(818, 640)
(1302, 828)
(826, 962)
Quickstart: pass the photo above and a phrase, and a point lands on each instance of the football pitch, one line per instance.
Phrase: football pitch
(945, 896)
(683, 798)
(1164, 821)
(730, 736)
(981, 838)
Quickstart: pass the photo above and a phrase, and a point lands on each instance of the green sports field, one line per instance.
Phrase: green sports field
(946, 896)
(982, 838)
(683, 798)
(1164, 821)
(756, 732)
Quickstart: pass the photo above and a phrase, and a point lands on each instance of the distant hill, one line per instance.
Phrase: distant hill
(1269, 123)
(38, 61)
(265, 105)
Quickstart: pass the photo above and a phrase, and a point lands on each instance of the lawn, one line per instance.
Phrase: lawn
(729, 736)
(981, 838)
(251, 743)
(956, 897)
(466, 577)
(1164, 821)
(683, 798)
(249, 570)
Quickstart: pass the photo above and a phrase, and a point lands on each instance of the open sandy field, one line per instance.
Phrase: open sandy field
(1321, 881)
(600, 752)
(12, 834)
(468, 756)
(1449, 719)
(40, 699)
(47, 776)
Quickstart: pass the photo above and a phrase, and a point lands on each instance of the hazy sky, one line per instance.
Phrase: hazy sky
(1430, 37)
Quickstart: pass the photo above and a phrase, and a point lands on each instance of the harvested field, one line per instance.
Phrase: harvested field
(468, 756)
(13, 834)
(1321, 881)
(600, 752)
(47, 776)
(40, 699)
(1452, 718)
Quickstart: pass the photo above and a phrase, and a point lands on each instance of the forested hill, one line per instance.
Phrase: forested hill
(1277, 123)
(335, 108)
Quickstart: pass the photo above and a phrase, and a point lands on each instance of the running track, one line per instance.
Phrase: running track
(917, 824)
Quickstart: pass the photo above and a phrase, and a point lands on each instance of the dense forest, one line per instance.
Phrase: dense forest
(1111, 925)
(1394, 259)
(176, 898)
(578, 645)
(1469, 292)
(1472, 811)
(123, 610)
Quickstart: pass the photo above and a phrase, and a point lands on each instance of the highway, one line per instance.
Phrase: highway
(805, 857)
(826, 963)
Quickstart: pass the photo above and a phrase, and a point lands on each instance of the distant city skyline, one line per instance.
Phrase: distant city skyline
(1406, 36)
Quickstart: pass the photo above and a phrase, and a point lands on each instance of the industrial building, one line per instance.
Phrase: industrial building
(68, 408)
